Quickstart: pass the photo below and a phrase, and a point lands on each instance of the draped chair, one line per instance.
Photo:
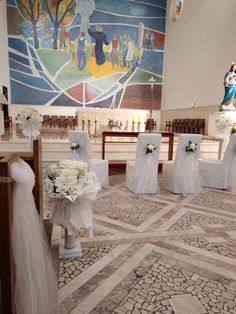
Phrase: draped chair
(99, 166)
(181, 175)
(141, 174)
(220, 174)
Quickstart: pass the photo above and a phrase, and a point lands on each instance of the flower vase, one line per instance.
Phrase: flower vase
(70, 241)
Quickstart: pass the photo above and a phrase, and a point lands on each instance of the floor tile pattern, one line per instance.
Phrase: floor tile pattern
(153, 254)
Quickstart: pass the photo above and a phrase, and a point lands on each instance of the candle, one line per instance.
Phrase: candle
(89, 117)
(95, 118)
(139, 118)
(82, 116)
(133, 119)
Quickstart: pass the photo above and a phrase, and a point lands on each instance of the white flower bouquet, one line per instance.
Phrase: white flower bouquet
(223, 122)
(70, 179)
(74, 146)
(191, 147)
(29, 113)
(30, 122)
(150, 148)
(114, 124)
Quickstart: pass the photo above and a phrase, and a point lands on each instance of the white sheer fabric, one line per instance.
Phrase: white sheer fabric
(220, 174)
(141, 174)
(73, 215)
(36, 285)
(181, 175)
(100, 166)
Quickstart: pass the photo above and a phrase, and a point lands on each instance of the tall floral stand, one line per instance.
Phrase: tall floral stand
(218, 127)
(72, 216)
(70, 248)
(72, 187)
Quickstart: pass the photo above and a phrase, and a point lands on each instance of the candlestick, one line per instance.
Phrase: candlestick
(83, 124)
(89, 127)
(150, 124)
(133, 125)
(95, 128)
(139, 123)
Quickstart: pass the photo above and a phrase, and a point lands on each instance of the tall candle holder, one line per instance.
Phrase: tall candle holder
(133, 126)
(151, 121)
(83, 124)
(89, 128)
(95, 129)
(139, 124)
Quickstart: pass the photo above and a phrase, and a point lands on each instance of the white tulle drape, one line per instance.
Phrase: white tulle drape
(100, 166)
(229, 160)
(30, 128)
(186, 175)
(84, 152)
(74, 215)
(141, 175)
(36, 284)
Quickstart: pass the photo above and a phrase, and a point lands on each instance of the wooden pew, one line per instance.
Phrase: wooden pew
(34, 159)
(6, 255)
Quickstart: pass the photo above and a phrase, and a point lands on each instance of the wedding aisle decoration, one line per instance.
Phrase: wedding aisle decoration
(72, 186)
(186, 171)
(114, 124)
(30, 122)
(74, 147)
(191, 147)
(150, 148)
(223, 124)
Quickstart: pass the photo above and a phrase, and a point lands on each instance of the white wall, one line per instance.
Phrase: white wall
(4, 69)
(199, 48)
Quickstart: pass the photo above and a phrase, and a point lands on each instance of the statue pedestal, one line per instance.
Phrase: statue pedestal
(212, 130)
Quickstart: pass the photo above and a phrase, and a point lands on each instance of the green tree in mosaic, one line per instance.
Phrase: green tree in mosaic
(32, 12)
(61, 12)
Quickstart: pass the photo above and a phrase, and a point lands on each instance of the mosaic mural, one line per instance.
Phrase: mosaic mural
(86, 53)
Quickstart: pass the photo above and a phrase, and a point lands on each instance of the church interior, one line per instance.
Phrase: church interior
(117, 157)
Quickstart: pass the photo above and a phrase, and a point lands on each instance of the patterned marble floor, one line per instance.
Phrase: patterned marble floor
(153, 254)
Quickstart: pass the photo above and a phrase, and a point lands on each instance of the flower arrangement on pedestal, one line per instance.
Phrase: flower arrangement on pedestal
(114, 124)
(73, 187)
(30, 122)
(223, 124)
(191, 147)
(70, 179)
(150, 148)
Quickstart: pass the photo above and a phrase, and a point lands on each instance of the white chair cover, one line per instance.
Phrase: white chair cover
(84, 152)
(181, 175)
(141, 174)
(220, 174)
(100, 166)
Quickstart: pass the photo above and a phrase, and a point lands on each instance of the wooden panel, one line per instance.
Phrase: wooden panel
(6, 255)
